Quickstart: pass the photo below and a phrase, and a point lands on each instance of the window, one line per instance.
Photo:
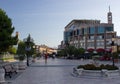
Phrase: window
(71, 34)
(100, 43)
(92, 37)
(92, 30)
(85, 30)
(99, 37)
(108, 36)
(67, 35)
(82, 44)
(101, 29)
(78, 31)
(90, 44)
(82, 31)
(74, 32)
(83, 37)
(109, 28)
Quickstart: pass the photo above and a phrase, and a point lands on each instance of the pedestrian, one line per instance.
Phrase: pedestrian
(46, 56)
(53, 56)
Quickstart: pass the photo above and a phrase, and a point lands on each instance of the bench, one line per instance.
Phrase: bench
(9, 70)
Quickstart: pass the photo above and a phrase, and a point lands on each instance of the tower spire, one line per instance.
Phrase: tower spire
(109, 16)
(109, 8)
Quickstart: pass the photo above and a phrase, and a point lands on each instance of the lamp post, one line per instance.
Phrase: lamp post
(114, 49)
(94, 59)
(27, 41)
(86, 54)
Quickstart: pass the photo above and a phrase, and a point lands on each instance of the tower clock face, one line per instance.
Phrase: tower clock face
(109, 17)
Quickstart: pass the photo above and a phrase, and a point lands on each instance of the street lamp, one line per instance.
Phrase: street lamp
(86, 54)
(94, 58)
(114, 49)
(27, 41)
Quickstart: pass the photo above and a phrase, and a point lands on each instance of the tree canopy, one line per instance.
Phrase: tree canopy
(6, 30)
(21, 50)
(71, 51)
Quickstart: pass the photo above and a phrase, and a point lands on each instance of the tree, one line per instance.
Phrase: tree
(12, 50)
(70, 50)
(6, 30)
(81, 50)
(21, 51)
(62, 52)
(21, 48)
(29, 42)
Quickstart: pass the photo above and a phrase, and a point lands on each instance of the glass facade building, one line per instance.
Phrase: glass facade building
(89, 33)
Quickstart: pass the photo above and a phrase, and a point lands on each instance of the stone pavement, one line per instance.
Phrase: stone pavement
(58, 71)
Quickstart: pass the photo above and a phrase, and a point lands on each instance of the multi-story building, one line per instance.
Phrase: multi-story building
(90, 33)
(43, 49)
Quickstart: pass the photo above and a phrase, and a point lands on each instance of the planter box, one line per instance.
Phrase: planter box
(114, 73)
(2, 75)
(21, 66)
(97, 73)
(92, 73)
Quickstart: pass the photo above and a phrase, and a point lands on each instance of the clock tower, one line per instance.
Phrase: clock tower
(109, 16)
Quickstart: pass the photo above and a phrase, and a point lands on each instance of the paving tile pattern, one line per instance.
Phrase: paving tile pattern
(59, 71)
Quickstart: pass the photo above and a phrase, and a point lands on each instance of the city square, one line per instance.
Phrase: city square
(59, 42)
(59, 71)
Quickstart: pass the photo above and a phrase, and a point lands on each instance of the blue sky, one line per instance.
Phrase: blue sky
(45, 19)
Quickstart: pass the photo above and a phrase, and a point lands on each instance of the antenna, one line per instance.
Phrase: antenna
(109, 8)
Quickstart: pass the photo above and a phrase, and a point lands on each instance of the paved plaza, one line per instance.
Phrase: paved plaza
(58, 71)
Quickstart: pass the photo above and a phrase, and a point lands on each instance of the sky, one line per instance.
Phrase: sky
(45, 20)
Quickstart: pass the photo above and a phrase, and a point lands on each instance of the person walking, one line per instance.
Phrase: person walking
(46, 56)
(53, 56)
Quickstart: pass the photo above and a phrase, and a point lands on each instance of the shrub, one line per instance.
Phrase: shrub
(89, 67)
(102, 66)
(93, 67)
(21, 57)
(110, 67)
(80, 66)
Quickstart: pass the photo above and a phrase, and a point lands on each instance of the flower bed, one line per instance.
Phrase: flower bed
(100, 67)
(95, 71)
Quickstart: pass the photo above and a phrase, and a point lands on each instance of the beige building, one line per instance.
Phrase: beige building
(43, 49)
